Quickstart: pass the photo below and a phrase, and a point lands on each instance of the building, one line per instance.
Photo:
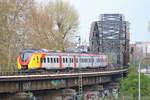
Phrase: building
(140, 51)
(110, 35)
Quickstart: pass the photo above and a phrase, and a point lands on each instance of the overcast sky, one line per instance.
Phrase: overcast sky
(137, 12)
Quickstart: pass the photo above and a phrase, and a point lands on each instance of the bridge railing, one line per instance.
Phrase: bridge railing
(11, 73)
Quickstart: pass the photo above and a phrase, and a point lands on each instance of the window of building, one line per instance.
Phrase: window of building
(93, 34)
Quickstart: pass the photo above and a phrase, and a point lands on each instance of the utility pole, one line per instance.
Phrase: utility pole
(139, 81)
(80, 85)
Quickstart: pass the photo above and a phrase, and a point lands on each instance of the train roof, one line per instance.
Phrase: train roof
(44, 51)
(39, 51)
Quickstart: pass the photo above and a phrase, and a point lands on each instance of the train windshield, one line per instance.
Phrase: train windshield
(24, 56)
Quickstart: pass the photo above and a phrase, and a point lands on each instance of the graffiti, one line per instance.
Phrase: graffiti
(57, 83)
(26, 86)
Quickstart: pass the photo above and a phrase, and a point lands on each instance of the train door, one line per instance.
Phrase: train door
(75, 61)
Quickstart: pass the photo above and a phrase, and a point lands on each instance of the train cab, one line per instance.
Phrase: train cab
(23, 60)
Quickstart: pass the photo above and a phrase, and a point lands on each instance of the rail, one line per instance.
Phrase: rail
(19, 73)
(58, 75)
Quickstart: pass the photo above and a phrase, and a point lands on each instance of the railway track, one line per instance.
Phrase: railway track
(59, 73)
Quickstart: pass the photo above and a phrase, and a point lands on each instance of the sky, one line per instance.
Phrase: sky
(137, 12)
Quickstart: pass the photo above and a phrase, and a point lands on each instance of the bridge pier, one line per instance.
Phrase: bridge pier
(6, 96)
(94, 92)
(59, 94)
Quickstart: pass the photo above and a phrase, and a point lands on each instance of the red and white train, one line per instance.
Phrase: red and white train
(39, 59)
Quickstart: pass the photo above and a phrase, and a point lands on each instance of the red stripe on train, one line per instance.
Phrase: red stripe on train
(74, 61)
(42, 56)
(60, 62)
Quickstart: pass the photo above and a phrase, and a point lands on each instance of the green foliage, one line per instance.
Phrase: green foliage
(129, 86)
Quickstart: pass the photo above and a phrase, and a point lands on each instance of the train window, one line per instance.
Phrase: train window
(48, 60)
(85, 60)
(81, 60)
(37, 59)
(76, 60)
(66, 60)
(70, 60)
(89, 60)
(92, 59)
(102, 59)
(51, 60)
(41, 60)
(98, 60)
(56, 60)
(63, 60)
(44, 60)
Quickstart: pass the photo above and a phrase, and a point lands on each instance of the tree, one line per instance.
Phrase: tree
(129, 86)
(12, 14)
(24, 25)
(66, 21)
(54, 23)
(40, 24)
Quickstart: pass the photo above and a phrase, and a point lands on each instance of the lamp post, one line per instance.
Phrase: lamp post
(139, 81)
(139, 78)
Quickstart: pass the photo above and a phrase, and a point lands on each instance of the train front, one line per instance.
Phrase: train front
(23, 60)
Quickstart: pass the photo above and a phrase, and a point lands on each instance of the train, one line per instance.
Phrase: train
(57, 60)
